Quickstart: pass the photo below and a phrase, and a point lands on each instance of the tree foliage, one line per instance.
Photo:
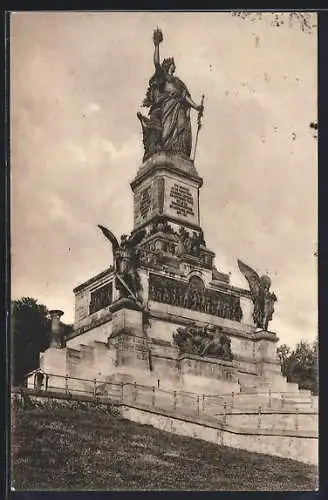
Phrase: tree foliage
(30, 335)
(300, 365)
(302, 19)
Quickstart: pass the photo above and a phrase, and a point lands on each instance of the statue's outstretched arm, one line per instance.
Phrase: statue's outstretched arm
(156, 56)
(157, 38)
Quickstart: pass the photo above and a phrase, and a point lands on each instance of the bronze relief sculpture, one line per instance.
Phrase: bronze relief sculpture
(207, 341)
(190, 296)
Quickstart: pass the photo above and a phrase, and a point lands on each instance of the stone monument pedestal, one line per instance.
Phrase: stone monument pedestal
(53, 363)
(128, 340)
(207, 375)
(127, 316)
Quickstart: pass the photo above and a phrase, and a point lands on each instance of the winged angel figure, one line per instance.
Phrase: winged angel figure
(262, 297)
(125, 259)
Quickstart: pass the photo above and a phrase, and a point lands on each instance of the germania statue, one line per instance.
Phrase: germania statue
(167, 127)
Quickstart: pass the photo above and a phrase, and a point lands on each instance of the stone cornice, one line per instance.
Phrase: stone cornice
(162, 162)
(126, 332)
(94, 279)
(85, 328)
(180, 320)
(265, 335)
(173, 318)
(222, 286)
(161, 342)
(124, 303)
(205, 359)
(168, 218)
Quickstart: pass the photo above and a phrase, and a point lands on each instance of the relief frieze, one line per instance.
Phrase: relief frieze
(195, 296)
(101, 297)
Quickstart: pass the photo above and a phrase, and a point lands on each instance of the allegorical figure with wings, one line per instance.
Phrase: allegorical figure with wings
(125, 259)
(167, 127)
(262, 298)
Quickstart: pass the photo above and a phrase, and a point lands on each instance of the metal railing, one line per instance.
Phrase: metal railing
(267, 400)
(224, 408)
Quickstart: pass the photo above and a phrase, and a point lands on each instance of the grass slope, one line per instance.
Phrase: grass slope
(89, 448)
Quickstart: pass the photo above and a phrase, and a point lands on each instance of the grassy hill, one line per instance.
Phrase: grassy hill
(83, 447)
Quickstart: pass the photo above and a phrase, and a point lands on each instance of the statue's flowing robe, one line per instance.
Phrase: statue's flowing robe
(169, 112)
(259, 309)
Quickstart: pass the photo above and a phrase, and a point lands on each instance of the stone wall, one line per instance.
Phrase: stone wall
(283, 444)
(162, 330)
(101, 333)
(277, 434)
(305, 421)
(83, 298)
(207, 375)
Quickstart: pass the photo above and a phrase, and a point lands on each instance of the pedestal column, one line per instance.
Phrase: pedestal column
(55, 316)
(53, 360)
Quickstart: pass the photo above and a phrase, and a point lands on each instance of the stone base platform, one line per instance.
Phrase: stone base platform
(136, 345)
(207, 375)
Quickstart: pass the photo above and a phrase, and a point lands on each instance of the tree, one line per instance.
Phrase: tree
(301, 364)
(30, 335)
(283, 352)
(303, 19)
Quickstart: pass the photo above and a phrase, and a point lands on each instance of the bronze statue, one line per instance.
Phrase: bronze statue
(262, 298)
(125, 259)
(167, 127)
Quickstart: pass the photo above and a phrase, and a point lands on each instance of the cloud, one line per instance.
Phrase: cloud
(93, 107)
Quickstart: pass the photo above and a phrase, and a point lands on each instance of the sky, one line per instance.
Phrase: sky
(77, 82)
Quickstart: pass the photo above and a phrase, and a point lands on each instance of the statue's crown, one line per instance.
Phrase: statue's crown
(266, 280)
(167, 62)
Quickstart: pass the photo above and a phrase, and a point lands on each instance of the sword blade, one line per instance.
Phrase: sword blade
(126, 286)
(200, 115)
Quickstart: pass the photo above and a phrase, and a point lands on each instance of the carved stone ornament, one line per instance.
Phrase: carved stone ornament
(203, 341)
(194, 295)
(177, 243)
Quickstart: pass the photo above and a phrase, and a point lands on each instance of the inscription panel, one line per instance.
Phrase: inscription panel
(167, 196)
(81, 305)
(143, 204)
(181, 200)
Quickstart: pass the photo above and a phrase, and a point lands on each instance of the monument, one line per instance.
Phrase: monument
(163, 311)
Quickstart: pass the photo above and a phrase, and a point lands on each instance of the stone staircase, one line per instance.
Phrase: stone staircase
(90, 369)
